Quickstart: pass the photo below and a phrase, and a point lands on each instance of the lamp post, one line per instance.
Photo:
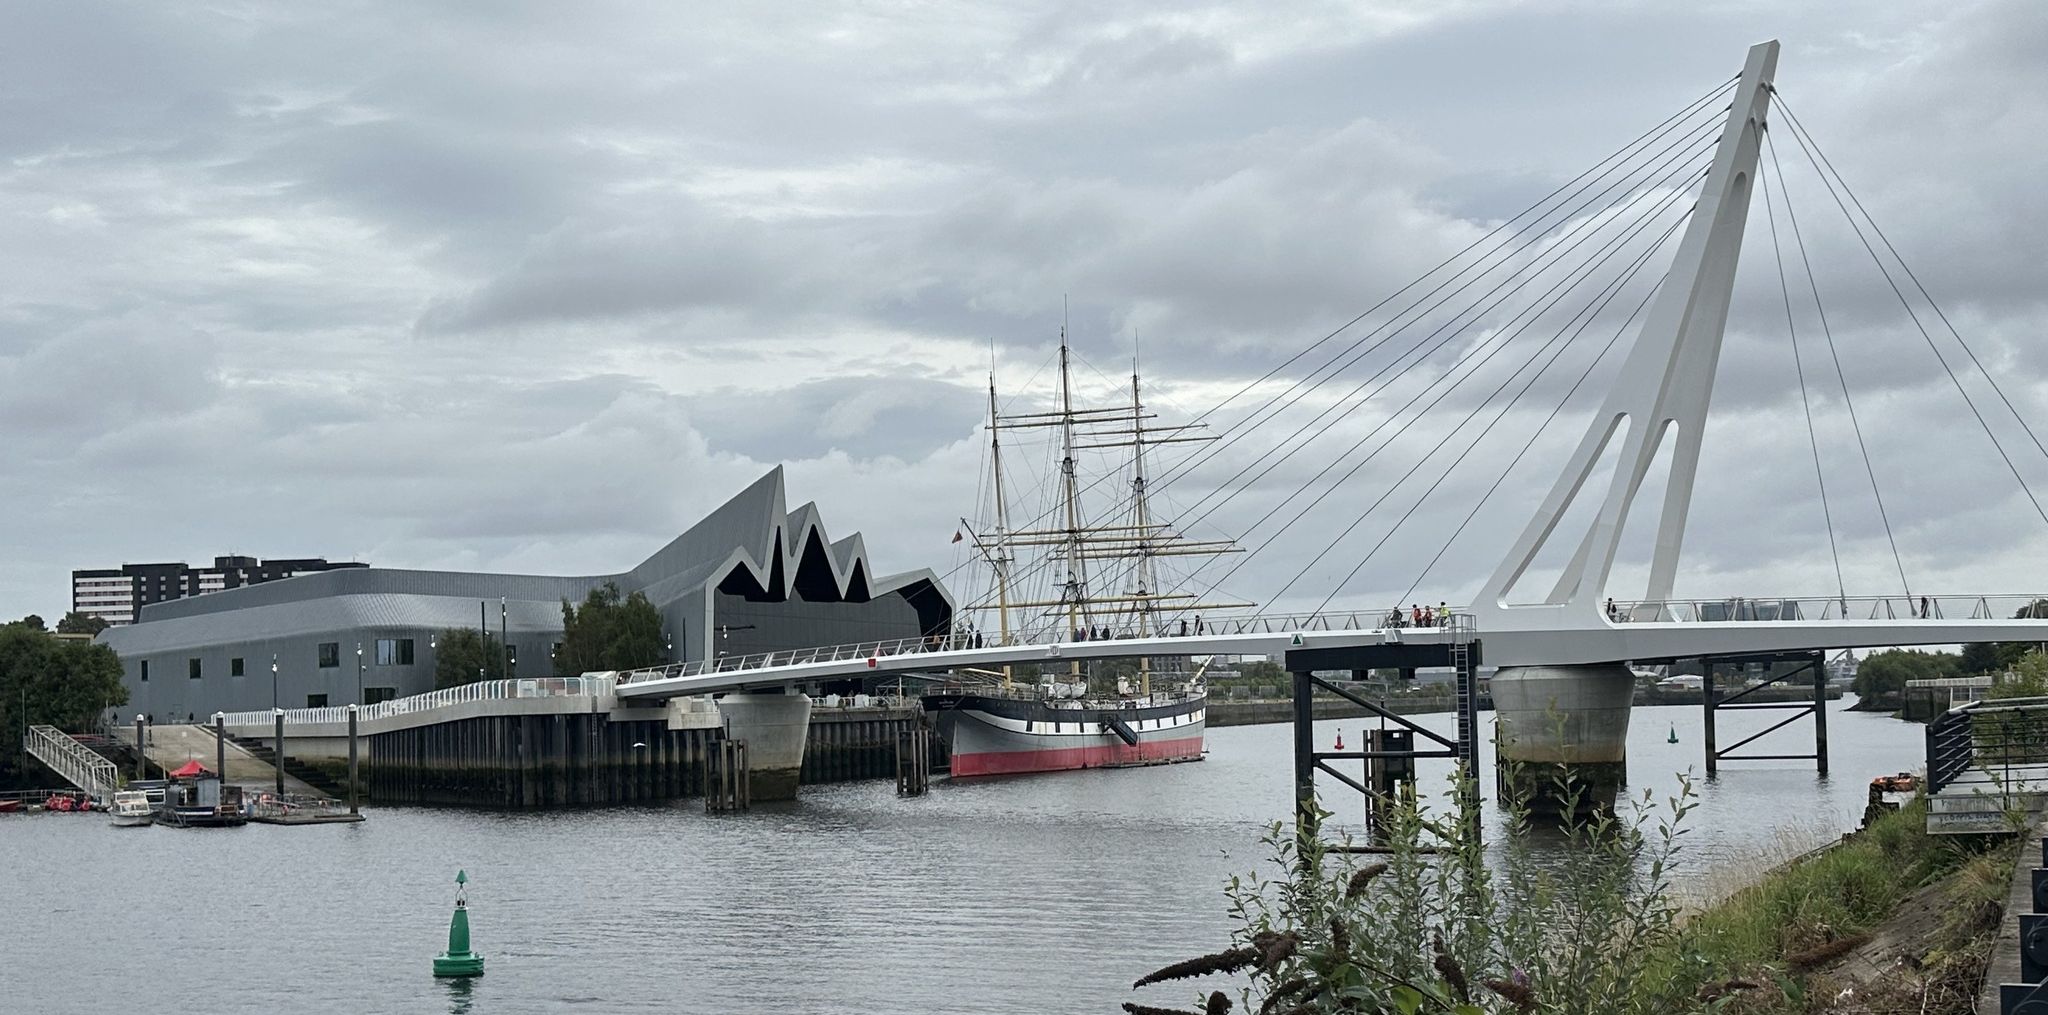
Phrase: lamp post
(359, 673)
(671, 649)
(273, 681)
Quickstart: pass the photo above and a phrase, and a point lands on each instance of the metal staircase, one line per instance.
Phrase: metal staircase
(77, 764)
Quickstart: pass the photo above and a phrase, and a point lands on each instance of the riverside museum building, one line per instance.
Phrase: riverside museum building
(750, 577)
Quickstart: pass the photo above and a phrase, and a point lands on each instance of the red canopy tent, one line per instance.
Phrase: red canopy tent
(189, 769)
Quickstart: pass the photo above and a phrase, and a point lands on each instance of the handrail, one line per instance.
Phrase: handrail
(1749, 609)
(69, 759)
(593, 685)
(1989, 735)
(1276, 623)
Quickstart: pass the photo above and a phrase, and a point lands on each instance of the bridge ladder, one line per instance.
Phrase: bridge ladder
(68, 758)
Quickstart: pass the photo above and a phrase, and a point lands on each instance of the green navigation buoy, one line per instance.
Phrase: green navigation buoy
(1673, 738)
(458, 960)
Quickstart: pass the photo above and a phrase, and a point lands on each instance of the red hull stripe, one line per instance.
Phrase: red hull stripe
(1063, 758)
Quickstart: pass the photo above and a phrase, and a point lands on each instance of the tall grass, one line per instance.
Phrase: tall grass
(1431, 926)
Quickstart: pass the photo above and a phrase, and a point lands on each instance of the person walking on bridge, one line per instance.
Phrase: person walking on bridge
(1415, 614)
(1443, 614)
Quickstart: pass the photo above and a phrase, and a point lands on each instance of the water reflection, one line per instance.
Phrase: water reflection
(461, 994)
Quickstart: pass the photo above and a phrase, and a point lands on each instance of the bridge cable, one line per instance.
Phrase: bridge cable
(1555, 297)
(1800, 128)
(1536, 232)
(1571, 189)
(1797, 132)
(1828, 332)
(1551, 257)
(1591, 312)
(1551, 299)
(1661, 128)
(1799, 369)
(1408, 595)
(1533, 271)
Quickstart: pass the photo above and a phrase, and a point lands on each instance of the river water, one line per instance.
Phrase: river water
(1045, 894)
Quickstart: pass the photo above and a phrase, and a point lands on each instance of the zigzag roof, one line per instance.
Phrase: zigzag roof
(752, 533)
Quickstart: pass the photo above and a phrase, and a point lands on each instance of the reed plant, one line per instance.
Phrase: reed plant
(1577, 920)
(1434, 924)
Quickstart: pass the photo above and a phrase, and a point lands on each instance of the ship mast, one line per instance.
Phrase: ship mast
(1136, 538)
(1000, 559)
(1077, 564)
(1141, 520)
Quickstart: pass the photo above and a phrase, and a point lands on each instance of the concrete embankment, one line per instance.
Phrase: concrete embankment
(172, 745)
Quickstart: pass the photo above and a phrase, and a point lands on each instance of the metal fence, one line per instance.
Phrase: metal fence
(2000, 738)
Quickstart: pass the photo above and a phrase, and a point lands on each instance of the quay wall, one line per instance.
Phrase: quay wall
(586, 759)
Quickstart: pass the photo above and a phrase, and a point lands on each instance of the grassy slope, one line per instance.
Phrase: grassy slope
(1800, 917)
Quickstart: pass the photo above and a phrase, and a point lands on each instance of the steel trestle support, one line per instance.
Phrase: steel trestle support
(1388, 755)
(1711, 703)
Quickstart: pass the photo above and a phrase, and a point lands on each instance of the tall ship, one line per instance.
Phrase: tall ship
(1094, 560)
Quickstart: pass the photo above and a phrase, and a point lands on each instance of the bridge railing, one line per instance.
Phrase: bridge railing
(588, 685)
(1750, 609)
(1991, 736)
(76, 763)
(1271, 623)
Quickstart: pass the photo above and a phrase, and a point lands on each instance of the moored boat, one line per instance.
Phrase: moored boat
(132, 809)
(197, 798)
(997, 734)
(1084, 571)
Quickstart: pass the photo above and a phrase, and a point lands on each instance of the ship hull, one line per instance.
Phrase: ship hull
(1005, 736)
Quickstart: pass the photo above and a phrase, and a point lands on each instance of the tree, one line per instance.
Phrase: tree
(1998, 657)
(81, 623)
(462, 656)
(2029, 678)
(48, 682)
(1884, 674)
(611, 631)
(32, 622)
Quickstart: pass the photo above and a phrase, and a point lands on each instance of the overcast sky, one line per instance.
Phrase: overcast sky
(531, 287)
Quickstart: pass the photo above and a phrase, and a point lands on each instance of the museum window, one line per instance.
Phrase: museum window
(145, 671)
(235, 667)
(373, 695)
(192, 668)
(316, 701)
(330, 655)
(394, 651)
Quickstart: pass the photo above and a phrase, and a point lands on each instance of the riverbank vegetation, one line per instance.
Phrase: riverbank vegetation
(1583, 921)
(47, 680)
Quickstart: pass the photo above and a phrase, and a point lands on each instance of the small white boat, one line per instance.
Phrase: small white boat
(132, 808)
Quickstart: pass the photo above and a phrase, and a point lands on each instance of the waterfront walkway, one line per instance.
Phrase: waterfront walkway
(173, 745)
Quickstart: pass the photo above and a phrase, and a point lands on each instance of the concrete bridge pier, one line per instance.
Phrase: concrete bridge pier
(1563, 735)
(776, 726)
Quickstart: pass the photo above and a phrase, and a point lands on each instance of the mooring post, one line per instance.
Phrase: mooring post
(277, 748)
(353, 807)
(1820, 712)
(1707, 704)
(1304, 755)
